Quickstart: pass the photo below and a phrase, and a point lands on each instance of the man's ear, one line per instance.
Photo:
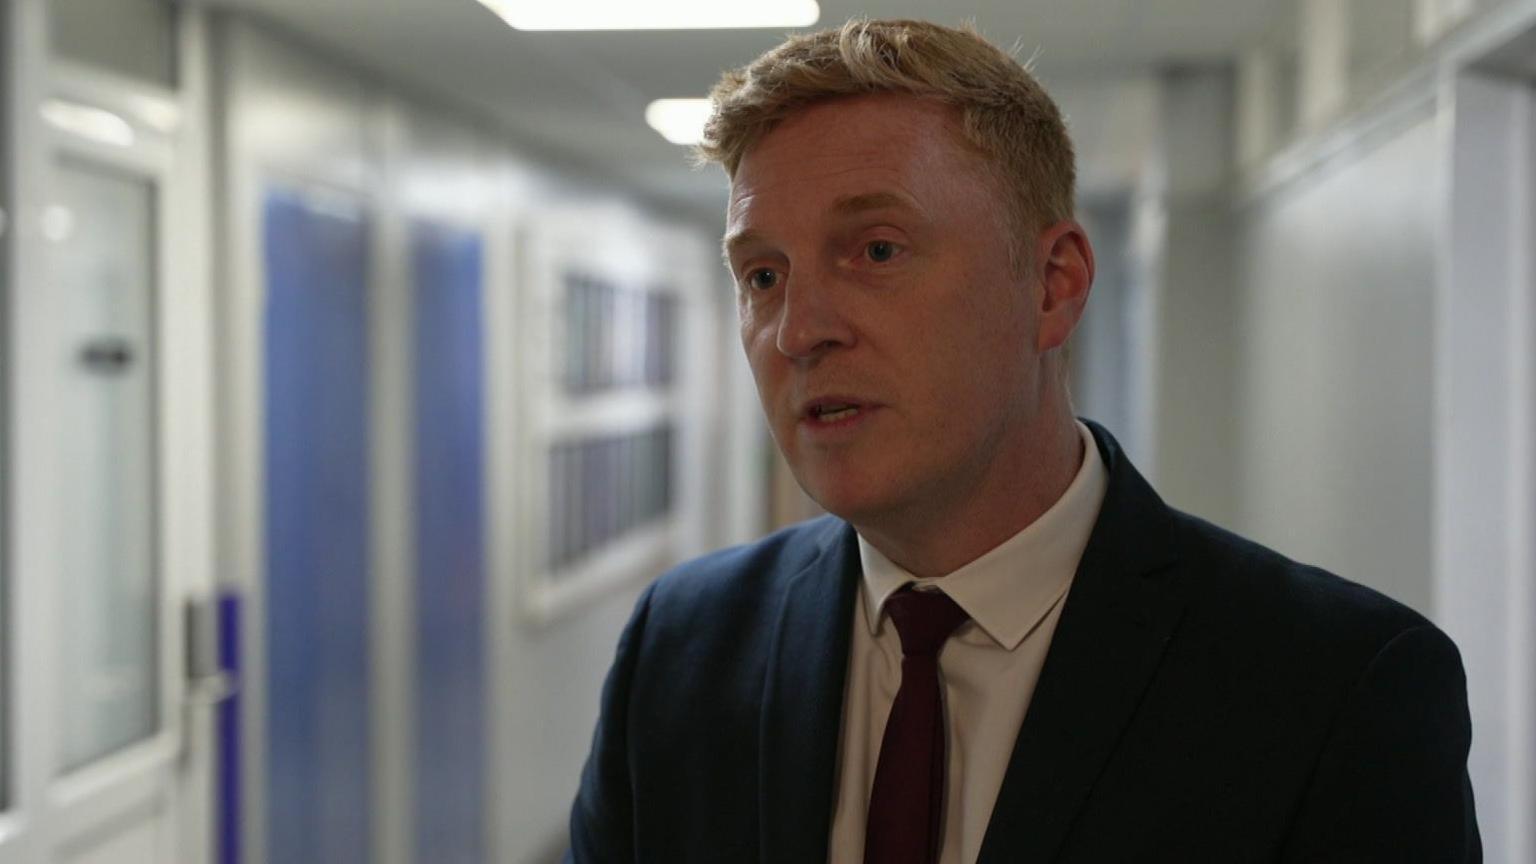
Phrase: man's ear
(1066, 273)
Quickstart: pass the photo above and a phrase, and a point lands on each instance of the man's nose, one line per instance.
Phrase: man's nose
(812, 319)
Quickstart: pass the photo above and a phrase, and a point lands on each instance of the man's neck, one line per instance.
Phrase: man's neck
(941, 540)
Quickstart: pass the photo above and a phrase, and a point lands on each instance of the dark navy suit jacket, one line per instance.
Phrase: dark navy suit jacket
(1203, 700)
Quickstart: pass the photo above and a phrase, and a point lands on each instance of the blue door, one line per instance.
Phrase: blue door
(316, 506)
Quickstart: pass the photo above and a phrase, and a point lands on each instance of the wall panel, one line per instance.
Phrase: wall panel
(1336, 336)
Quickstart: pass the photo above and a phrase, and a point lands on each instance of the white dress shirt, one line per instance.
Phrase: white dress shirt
(1014, 596)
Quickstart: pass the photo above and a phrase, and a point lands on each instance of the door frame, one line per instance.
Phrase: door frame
(170, 769)
(1485, 433)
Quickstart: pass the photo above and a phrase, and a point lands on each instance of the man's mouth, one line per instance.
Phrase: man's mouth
(832, 412)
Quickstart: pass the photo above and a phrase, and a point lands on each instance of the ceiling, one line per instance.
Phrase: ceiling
(581, 97)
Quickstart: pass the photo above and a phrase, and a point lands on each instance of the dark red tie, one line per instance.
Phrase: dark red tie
(907, 804)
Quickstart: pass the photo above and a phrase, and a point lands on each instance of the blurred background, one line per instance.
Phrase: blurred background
(362, 360)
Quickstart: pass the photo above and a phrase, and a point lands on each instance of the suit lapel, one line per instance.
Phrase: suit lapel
(803, 703)
(1120, 613)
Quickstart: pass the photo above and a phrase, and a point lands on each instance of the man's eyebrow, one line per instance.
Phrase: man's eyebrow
(736, 240)
(847, 205)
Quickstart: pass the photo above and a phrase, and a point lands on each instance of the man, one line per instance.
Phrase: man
(1003, 646)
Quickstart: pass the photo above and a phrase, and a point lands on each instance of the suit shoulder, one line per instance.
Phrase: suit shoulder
(1250, 587)
(745, 574)
(713, 618)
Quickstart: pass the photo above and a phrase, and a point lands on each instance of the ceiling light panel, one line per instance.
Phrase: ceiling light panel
(654, 15)
(680, 121)
(87, 121)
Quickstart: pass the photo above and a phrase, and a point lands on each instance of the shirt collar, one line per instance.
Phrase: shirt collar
(1008, 590)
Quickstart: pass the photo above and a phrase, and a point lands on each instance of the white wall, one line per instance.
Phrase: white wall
(1336, 348)
(1100, 349)
(1195, 391)
(1386, 349)
(1153, 356)
(1116, 131)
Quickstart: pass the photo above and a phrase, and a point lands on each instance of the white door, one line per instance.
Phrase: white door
(100, 477)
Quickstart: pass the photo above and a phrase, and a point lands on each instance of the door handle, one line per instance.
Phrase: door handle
(107, 355)
(208, 683)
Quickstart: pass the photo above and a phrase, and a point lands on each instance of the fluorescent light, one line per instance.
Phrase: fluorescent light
(88, 122)
(680, 121)
(654, 14)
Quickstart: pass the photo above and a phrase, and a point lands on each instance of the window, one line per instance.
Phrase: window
(100, 228)
(133, 38)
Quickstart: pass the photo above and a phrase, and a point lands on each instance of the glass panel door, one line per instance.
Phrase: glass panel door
(101, 258)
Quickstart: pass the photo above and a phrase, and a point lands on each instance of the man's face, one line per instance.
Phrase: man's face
(892, 341)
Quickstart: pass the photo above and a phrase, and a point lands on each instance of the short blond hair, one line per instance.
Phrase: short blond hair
(1004, 112)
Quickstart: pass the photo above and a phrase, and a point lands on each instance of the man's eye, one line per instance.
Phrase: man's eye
(880, 251)
(762, 280)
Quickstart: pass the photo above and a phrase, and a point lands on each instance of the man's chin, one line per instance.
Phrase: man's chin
(852, 502)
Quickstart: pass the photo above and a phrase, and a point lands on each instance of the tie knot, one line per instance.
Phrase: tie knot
(923, 619)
